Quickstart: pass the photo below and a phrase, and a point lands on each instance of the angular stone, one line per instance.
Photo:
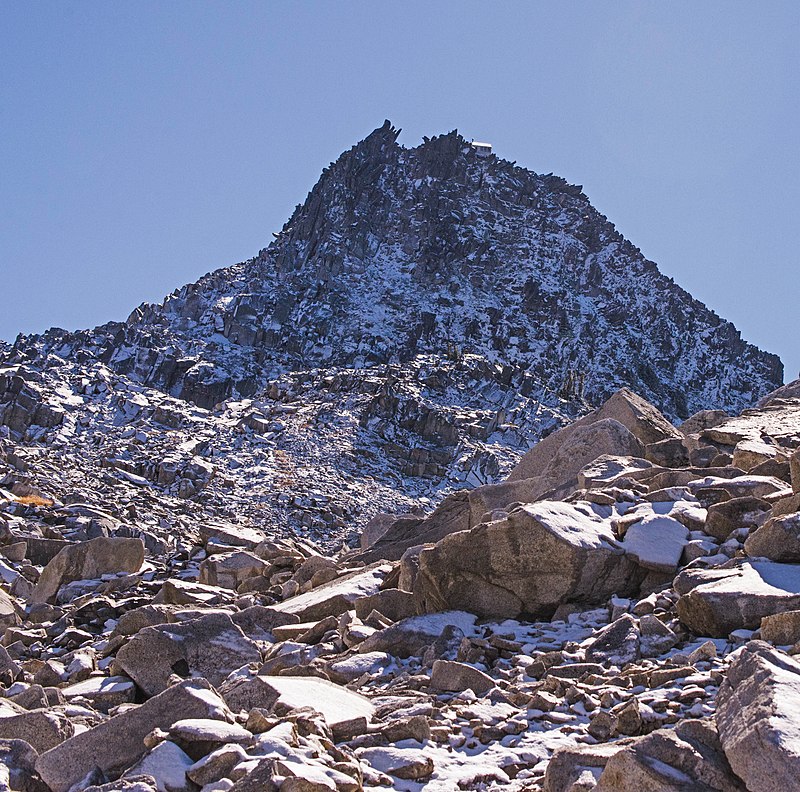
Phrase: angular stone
(230, 570)
(643, 424)
(670, 453)
(570, 763)
(704, 419)
(354, 667)
(406, 763)
(167, 764)
(211, 647)
(720, 601)
(756, 715)
(9, 612)
(557, 459)
(88, 560)
(452, 514)
(656, 542)
(778, 539)
(457, 677)
(778, 420)
(750, 453)
(333, 599)
(42, 729)
(541, 556)
(739, 487)
(117, 743)
(618, 643)
(337, 704)
(18, 760)
(794, 466)
(726, 517)
(216, 765)
(184, 592)
(244, 693)
(392, 603)
(258, 621)
(227, 534)
(103, 692)
(782, 629)
(198, 737)
(606, 469)
(410, 636)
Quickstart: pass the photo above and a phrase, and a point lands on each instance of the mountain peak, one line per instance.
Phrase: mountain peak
(437, 250)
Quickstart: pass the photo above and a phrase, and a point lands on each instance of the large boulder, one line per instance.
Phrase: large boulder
(117, 743)
(757, 708)
(539, 557)
(211, 646)
(716, 602)
(558, 458)
(688, 757)
(638, 416)
(87, 560)
(778, 539)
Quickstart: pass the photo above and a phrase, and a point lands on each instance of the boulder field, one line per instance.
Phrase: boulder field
(620, 614)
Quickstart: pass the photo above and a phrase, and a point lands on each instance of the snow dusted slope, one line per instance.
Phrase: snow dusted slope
(422, 318)
(434, 249)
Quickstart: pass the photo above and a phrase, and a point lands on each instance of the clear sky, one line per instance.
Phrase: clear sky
(144, 144)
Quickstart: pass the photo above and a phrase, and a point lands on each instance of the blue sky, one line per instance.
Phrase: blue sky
(145, 144)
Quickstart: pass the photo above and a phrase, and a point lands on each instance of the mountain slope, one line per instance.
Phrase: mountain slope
(441, 309)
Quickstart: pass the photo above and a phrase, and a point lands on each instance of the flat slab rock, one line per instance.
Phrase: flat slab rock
(117, 743)
(778, 421)
(336, 703)
(334, 598)
(738, 597)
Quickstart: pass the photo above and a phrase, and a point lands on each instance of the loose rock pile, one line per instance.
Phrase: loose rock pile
(621, 613)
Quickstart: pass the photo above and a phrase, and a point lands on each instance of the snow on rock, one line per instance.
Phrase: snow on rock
(656, 542)
(738, 596)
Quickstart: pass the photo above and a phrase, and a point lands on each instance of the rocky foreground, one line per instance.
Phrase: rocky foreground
(620, 613)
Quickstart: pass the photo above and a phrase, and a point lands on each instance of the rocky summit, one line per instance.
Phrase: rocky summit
(448, 488)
